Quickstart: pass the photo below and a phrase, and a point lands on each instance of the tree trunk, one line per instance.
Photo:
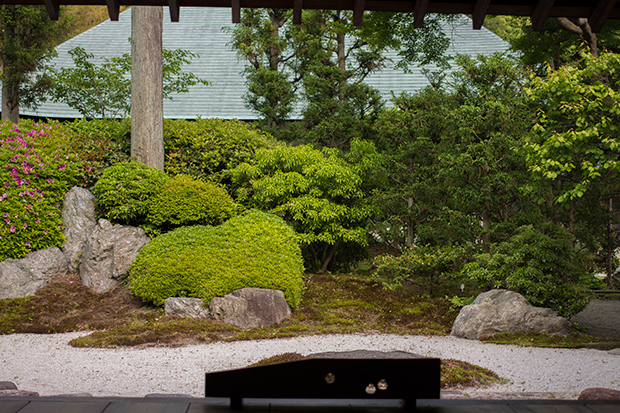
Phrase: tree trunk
(610, 246)
(10, 105)
(147, 107)
(409, 240)
(486, 227)
(581, 28)
(10, 93)
(328, 254)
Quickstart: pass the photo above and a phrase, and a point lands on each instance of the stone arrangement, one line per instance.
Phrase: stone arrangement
(504, 311)
(244, 308)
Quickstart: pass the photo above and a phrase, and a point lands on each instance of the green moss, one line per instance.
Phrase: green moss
(574, 340)
(253, 250)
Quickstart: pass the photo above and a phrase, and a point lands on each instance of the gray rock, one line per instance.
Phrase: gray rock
(185, 307)
(7, 385)
(251, 307)
(23, 277)
(108, 253)
(503, 311)
(71, 395)
(78, 219)
(599, 393)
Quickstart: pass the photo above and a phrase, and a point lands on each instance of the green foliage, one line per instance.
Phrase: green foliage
(575, 138)
(205, 148)
(253, 250)
(426, 267)
(124, 190)
(104, 90)
(538, 265)
(33, 179)
(183, 200)
(451, 157)
(317, 192)
(26, 45)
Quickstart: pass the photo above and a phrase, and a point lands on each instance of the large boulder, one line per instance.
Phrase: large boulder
(185, 307)
(251, 307)
(108, 253)
(503, 311)
(23, 277)
(78, 219)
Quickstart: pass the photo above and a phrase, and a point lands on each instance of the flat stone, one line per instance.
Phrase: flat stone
(366, 354)
(599, 393)
(167, 396)
(11, 393)
(7, 385)
(251, 307)
(185, 307)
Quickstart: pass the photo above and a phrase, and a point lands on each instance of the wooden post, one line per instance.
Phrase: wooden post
(147, 107)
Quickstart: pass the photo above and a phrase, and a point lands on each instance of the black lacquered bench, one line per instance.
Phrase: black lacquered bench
(330, 378)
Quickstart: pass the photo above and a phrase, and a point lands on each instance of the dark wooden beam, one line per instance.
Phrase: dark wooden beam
(419, 12)
(600, 13)
(541, 12)
(480, 12)
(358, 12)
(174, 10)
(297, 9)
(236, 11)
(113, 9)
(53, 9)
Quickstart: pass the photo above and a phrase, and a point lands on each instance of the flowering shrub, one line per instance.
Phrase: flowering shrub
(33, 181)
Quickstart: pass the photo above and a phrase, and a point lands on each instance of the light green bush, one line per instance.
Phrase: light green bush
(256, 249)
(124, 189)
(184, 200)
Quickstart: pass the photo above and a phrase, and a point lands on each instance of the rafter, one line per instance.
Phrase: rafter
(541, 12)
(174, 10)
(113, 9)
(419, 11)
(298, 6)
(358, 12)
(53, 9)
(480, 12)
(236, 11)
(600, 13)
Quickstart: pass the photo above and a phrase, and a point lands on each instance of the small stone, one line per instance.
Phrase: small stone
(185, 307)
(11, 393)
(7, 385)
(599, 393)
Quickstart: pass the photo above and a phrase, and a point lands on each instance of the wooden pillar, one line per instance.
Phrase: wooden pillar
(147, 107)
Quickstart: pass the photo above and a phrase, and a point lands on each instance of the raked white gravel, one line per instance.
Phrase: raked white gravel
(48, 365)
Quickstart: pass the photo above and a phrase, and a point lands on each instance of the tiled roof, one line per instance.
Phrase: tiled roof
(206, 32)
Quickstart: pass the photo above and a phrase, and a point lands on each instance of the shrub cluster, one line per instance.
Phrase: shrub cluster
(205, 148)
(34, 177)
(132, 193)
(256, 249)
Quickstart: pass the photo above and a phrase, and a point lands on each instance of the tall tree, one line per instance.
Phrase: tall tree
(573, 147)
(27, 43)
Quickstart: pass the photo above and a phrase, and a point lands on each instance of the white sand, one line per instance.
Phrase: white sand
(48, 365)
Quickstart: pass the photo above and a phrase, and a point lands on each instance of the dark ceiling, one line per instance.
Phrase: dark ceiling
(539, 10)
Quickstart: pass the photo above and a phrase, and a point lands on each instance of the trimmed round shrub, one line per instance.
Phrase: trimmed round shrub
(123, 191)
(256, 249)
(184, 200)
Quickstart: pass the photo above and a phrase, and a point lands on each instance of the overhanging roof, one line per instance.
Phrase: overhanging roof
(596, 11)
(206, 32)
